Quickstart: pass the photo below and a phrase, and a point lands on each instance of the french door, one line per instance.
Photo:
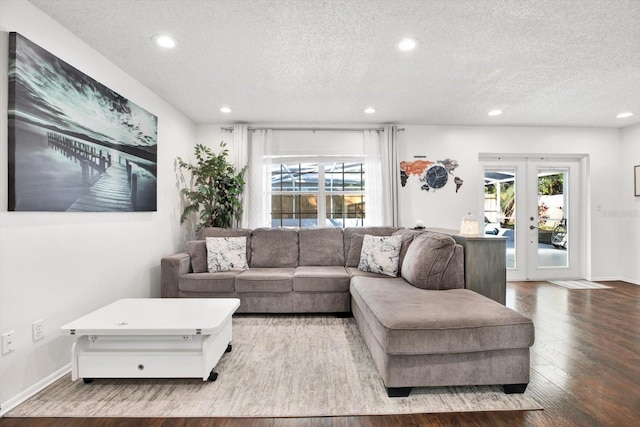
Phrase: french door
(535, 203)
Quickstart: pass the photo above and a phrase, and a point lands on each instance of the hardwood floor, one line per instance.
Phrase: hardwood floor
(585, 370)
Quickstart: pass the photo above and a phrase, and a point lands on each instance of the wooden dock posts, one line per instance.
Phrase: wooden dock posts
(73, 148)
(132, 178)
(86, 171)
(111, 192)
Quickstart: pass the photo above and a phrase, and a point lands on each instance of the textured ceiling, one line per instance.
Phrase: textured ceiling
(543, 62)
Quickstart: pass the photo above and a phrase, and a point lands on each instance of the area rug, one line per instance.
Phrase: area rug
(579, 284)
(280, 366)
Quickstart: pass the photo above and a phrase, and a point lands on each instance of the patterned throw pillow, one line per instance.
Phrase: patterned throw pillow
(226, 254)
(380, 254)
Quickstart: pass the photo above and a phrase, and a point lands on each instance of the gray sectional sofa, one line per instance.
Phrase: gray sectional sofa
(422, 327)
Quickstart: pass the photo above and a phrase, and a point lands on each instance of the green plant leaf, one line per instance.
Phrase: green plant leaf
(215, 190)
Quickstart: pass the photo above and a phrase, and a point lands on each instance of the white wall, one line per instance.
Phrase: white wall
(292, 142)
(627, 219)
(58, 266)
(445, 208)
(611, 252)
(212, 135)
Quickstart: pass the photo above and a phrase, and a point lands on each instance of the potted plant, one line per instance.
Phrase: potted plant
(215, 190)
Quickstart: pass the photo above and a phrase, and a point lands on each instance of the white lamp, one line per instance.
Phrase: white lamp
(469, 226)
(419, 224)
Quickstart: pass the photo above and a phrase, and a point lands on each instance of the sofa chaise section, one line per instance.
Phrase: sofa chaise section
(421, 338)
(423, 329)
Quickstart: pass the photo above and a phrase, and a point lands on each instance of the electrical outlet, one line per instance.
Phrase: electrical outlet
(37, 330)
(7, 342)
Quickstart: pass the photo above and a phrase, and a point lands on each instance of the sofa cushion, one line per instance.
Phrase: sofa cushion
(226, 254)
(407, 320)
(453, 276)
(321, 246)
(355, 248)
(274, 247)
(205, 232)
(354, 271)
(408, 235)
(321, 279)
(353, 259)
(208, 282)
(265, 280)
(380, 254)
(427, 259)
(198, 254)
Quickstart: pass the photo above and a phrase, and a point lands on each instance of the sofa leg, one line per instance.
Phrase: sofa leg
(514, 388)
(398, 391)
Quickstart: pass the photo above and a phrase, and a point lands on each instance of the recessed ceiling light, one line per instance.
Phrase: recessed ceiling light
(406, 44)
(165, 41)
(369, 110)
(624, 115)
(225, 110)
(495, 112)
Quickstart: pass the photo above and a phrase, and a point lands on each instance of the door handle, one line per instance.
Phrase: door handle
(532, 227)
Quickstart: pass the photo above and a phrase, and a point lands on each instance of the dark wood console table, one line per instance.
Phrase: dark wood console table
(485, 263)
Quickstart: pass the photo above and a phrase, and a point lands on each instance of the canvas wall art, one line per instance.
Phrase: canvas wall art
(432, 175)
(74, 144)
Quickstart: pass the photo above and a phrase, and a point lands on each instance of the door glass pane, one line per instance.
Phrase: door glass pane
(552, 217)
(500, 208)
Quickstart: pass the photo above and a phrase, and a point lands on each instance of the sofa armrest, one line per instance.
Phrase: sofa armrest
(171, 268)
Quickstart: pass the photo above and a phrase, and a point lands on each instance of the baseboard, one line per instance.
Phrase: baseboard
(7, 406)
(620, 279)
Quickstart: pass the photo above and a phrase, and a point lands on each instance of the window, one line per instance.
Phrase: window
(317, 195)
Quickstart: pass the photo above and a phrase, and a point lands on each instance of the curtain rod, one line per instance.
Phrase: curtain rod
(230, 129)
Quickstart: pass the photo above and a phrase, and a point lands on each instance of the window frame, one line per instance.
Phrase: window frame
(321, 193)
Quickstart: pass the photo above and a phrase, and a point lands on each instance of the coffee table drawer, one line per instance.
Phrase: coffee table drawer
(140, 365)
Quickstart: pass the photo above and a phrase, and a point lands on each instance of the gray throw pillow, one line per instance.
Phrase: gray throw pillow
(198, 252)
(407, 238)
(353, 257)
(427, 259)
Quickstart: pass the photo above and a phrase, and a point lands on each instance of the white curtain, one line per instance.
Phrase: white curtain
(240, 153)
(380, 177)
(391, 174)
(257, 210)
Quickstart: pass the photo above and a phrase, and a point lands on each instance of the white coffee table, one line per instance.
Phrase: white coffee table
(152, 338)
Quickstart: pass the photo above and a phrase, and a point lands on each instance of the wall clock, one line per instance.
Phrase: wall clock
(436, 176)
